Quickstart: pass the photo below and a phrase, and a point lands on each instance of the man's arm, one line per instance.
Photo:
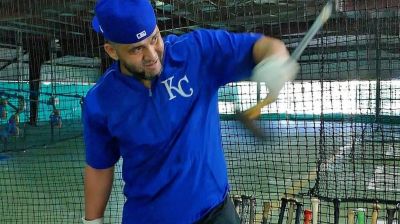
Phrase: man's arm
(268, 46)
(98, 185)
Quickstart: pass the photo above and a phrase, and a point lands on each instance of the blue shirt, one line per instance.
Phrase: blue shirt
(55, 119)
(168, 136)
(11, 127)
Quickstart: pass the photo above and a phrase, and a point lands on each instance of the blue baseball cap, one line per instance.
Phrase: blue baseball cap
(124, 21)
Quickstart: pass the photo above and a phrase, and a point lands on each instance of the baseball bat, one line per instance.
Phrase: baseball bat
(375, 213)
(299, 208)
(244, 208)
(266, 210)
(237, 201)
(255, 111)
(292, 203)
(390, 211)
(282, 210)
(315, 207)
(336, 212)
(350, 216)
(398, 213)
(252, 209)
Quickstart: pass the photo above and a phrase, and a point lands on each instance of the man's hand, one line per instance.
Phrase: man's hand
(275, 71)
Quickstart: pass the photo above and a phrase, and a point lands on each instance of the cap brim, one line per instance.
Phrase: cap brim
(96, 25)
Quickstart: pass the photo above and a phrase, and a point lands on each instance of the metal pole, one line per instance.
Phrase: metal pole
(378, 71)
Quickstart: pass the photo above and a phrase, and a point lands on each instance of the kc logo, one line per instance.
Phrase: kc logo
(178, 89)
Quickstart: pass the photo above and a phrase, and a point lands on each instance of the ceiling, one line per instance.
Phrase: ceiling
(71, 19)
(26, 22)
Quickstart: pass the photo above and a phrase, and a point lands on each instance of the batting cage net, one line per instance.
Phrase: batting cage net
(331, 144)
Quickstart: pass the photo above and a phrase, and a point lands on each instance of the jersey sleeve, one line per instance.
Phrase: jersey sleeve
(101, 148)
(228, 57)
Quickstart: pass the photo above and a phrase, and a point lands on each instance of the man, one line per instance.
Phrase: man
(156, 107)
(11, 128)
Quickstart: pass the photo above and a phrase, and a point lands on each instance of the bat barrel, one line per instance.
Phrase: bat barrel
(319, 22)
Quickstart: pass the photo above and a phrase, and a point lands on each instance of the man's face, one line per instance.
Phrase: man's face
(142, 59)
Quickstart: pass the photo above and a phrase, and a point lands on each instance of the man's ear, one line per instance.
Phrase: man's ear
(111, 51)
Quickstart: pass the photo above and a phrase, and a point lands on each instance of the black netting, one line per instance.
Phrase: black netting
(333, 134)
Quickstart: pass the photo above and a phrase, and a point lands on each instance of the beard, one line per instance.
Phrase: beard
(141, 75)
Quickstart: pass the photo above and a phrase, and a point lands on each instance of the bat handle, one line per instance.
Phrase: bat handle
(254, 112)
(315, 206)
(282, 210)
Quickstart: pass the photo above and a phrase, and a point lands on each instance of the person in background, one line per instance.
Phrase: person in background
(3, 108)
(11, 128)
(55, 119)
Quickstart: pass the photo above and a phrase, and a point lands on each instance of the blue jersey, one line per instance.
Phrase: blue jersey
(169, 135)
(12, 127)
(55, 119)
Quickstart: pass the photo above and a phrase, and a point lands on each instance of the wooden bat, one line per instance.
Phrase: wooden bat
(375, 212)
(266, 209)
(315, 207)
(282, 210)
(247, 116)
(336, 212)
(299, 208)
(350, 216)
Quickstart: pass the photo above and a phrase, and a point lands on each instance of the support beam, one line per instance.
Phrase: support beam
(38, 53)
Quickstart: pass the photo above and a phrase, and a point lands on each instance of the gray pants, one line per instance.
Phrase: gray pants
(224, 213)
